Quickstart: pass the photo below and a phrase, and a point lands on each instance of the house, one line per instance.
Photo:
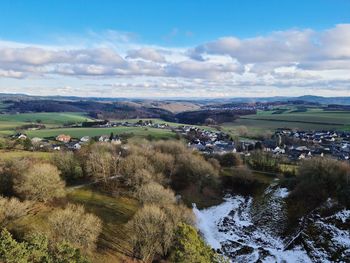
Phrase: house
(63, 138)
(22, 136)
(85, 139)
(56, 147)
(103, 138)
(36, 140)
(116, 141)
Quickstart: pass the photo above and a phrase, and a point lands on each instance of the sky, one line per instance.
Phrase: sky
(180, 48)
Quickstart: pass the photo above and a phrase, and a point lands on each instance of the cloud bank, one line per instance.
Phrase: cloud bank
(291, 62)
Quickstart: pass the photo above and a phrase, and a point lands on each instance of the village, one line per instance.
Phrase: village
(294, 144)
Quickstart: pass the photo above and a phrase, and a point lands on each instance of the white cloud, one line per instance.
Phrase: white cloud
(146, 54)
(301, 60)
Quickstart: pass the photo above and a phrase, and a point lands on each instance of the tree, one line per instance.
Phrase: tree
(41, 182)
(191, 168)
(149, 227)
(72, 224)
(36, 248)
(189, 247)
(102, 163)
(12, 209)
(136, 170)
(230, 159)
(9, 170)
(153, 229)
(68, 165)
(10, 250)
(154, 193)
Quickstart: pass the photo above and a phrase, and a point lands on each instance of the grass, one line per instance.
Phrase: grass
(45, 117)
(266, 122)
(313, 116)
(7, 155)
(115, 212)
(10, 122)
(80, 132)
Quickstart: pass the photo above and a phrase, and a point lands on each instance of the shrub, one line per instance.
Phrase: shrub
(41, 182)
(36, 249)
(12, 209)
(190, 247)
(229, 159)
(317, 180)
(240, 180)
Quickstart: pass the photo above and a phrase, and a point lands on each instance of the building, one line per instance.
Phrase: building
(63, 138)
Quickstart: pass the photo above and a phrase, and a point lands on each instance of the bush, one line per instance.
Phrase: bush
(12, 209)
(41, 182)
(316, 181)
(190, 247)
(36, 249)
(263, 161)
(229, 159)
(321, 178)
(240, 180)
(73, 225)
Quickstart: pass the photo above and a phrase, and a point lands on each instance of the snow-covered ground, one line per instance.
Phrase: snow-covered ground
(244, 234)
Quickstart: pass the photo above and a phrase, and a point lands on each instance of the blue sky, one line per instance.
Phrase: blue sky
(175, 48)
(179, 22)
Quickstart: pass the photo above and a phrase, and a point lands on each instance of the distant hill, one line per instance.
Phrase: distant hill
(177, 104)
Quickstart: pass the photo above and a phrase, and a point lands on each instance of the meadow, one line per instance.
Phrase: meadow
(265, 122)
(45, 117)
(80, 132)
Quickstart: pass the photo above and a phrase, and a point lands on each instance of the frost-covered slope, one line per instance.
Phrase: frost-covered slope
(246, 230)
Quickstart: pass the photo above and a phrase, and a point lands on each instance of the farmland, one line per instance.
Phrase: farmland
(311, 119)
(45, 117)
(80, 132)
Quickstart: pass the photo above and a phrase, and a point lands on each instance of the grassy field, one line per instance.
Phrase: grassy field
(312, 116)
(8, 155)
(45, 117)
(10, 122)
(312, 119)
(80, 132)
(115, 213)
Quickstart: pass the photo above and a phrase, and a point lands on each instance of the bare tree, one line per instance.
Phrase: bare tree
(154, 193)
(74, 225)
(41, 182)
(12, 209)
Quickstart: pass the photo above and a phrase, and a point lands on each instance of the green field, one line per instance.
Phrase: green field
(312, 119)
(10, 122)
(80, 132)
(313, 116)
(45, 117)
(8, 155)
